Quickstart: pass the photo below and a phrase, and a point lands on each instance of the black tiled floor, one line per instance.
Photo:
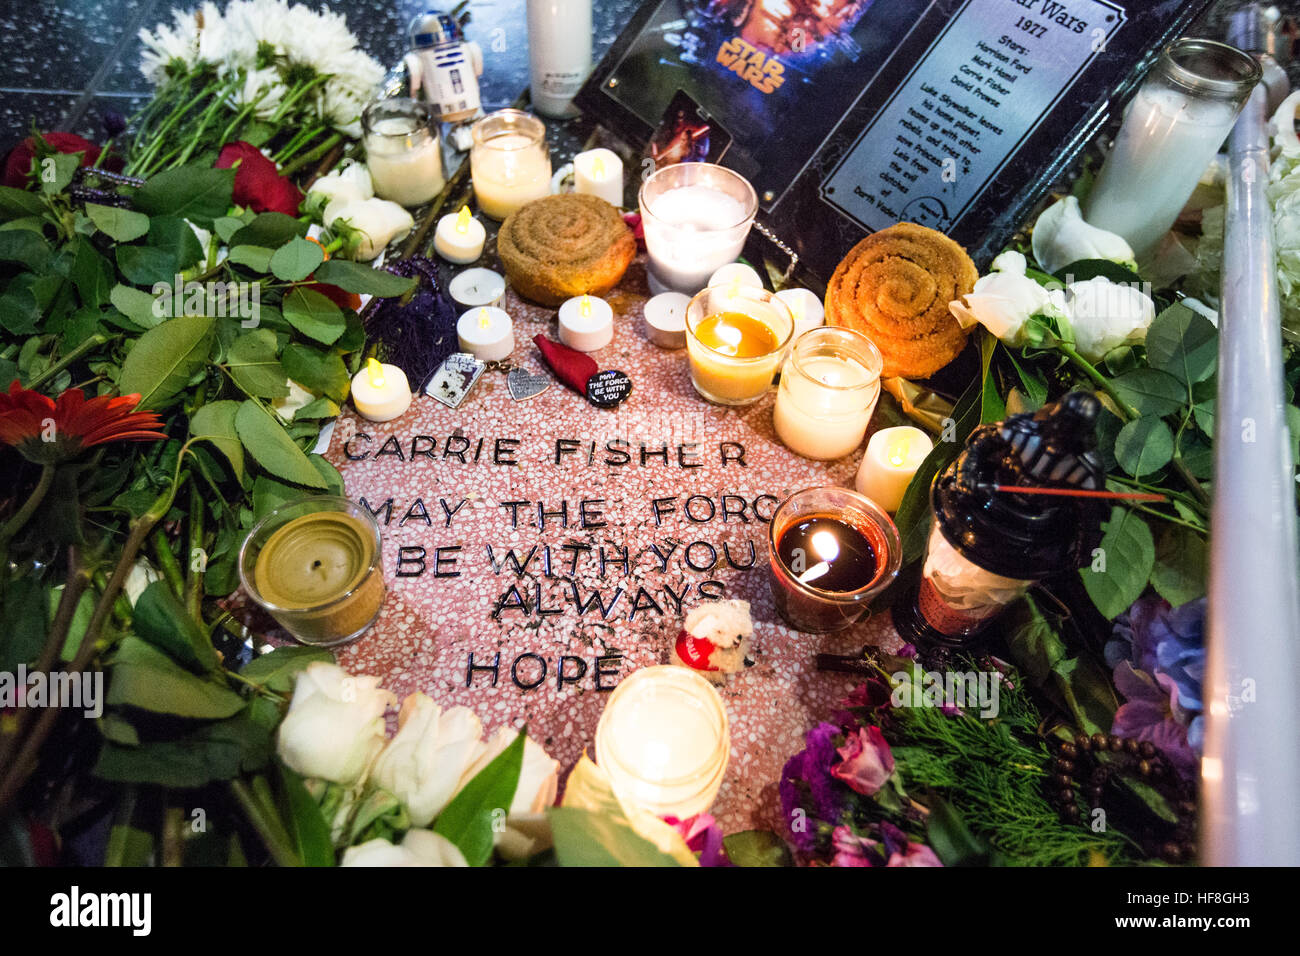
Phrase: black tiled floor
(62, 56)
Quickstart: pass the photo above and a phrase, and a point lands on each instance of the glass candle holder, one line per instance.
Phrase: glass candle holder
(736, 337)
(831, 550)
(1173, 127)
(402, 151)
(664, 740)
(696, 217)
(829, 388)
(509, 162)
(315, 566)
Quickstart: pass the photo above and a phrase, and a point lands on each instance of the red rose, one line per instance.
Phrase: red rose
(19, 163)
(258, 184)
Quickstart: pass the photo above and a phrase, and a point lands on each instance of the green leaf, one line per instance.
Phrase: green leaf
(1032, 382)
(25, 603)
(317, 409)
(362, 279)
(196, 193)
(135, 305)
(1088, 692)
(1085, 269)
(121, 225)
(313, 315)
(1203, 409)
(17, 203)
(951, 839)
(1182, 565)
(316, 370)
(28, 248)
(270, 230)
(467, 820)
(1151, 391)
(1144, 445)
(307, 825)
(588, 838)
(215, 423)
(214, 751)
(1183, 343)
(253, 363)
(162, 620)
(176, 237)
(992, 407)
(226, 226)
(1036, 647)
(276, 670)
(296, 259)
(1197, 454)
(165, 358)
(91, 274)
(19, 312)
(1120, 571)
(757, 848)
(268, 443)
(147, 265)
(55, 172)
(257, 258)
(144, 677)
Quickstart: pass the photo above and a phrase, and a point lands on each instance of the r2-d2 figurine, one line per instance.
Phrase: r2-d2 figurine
(444, 68)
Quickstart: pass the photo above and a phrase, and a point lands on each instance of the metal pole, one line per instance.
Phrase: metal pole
(1250, 772)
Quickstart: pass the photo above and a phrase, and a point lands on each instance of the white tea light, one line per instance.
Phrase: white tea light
(486, 333)
(665, 319)
(736, 274)
(586, 323)
(807, 309)
(893, 455)
(380, 392)
(477, 287)
(599, 172)
(459, 237)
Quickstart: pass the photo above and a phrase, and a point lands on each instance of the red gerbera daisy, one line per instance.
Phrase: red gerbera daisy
(46, 431)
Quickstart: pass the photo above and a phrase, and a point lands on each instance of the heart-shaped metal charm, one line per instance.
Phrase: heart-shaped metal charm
(525, 384)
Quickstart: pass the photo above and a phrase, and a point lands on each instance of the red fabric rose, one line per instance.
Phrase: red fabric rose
(19, 162)
(866, 761)
(258, 184)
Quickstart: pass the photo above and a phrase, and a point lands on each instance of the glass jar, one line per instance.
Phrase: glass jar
(664, 741)
(402, 151)
(736, 338)
(509, 162)
(696, 217)
(1172, 129)
(828, 393)
(315, 566)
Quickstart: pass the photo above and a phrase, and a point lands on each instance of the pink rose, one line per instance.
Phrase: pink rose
(916, 854)
(865, 761)
(851, 849)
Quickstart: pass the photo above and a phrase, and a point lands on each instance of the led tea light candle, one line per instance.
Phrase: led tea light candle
(586, 323)
(735, 339)
(380, 393)
(402, 151)
(892, 457)
(665, 319)
(1176, 123)
(477, 287)
(459, 237)
(831, 551)
(696, 217)
(664, 741)
(509, 162)
(736, 274)
(315, 566)
(829, 388)
(486, 333)
(599, 172)
(808, 311)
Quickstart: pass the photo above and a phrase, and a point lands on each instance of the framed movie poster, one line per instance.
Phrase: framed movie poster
(850, 115)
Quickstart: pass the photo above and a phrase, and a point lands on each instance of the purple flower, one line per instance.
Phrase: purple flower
(1148, 714)
(1180, 650)
(703, 836)
(853, 850)
(810, 771)
(902, 852)
(865, 761)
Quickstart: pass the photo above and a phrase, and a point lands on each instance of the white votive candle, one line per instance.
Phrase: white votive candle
(405, 164)
(736, 274)
(586, 323)
(829, 388)
(380, 392)
(459, 237)
(664, 740)
(892, 457)
(486, 333)
(476, 287)
(599, 172)
(807, 309)
(665, 319)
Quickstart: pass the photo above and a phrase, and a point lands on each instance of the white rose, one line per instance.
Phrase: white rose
(1003, 300)
(377, 222)
(297, 398)
(1061, 237)
(528, 829)
(140, 577)
(1106, 315)
(335, 723)
(418, 848)
(423, 764)
(350, 184)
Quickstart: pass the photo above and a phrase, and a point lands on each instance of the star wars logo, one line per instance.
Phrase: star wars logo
(763, 72)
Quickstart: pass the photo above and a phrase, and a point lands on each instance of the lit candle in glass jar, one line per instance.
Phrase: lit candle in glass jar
(402, 151)
(829, 388)
(509, 162)
(735, 339)
(892, 457)
(459, 237)
(586, 323)
(486, 333)
(380, 392)
(664, 741)
(695, 217)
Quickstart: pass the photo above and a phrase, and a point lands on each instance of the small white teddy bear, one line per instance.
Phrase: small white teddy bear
(714, 639)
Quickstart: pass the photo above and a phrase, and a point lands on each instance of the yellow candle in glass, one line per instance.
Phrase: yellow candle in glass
(736, 338)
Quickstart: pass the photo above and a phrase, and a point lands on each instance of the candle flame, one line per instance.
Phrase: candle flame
(826, 545)
(598, 167)
(462, 220)
(735, 288)
(484, 320)
(897, 455)
(375, 372)
(796, 310)
(585, 308)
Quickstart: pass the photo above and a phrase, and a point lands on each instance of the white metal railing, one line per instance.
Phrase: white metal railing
(1251, 766)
